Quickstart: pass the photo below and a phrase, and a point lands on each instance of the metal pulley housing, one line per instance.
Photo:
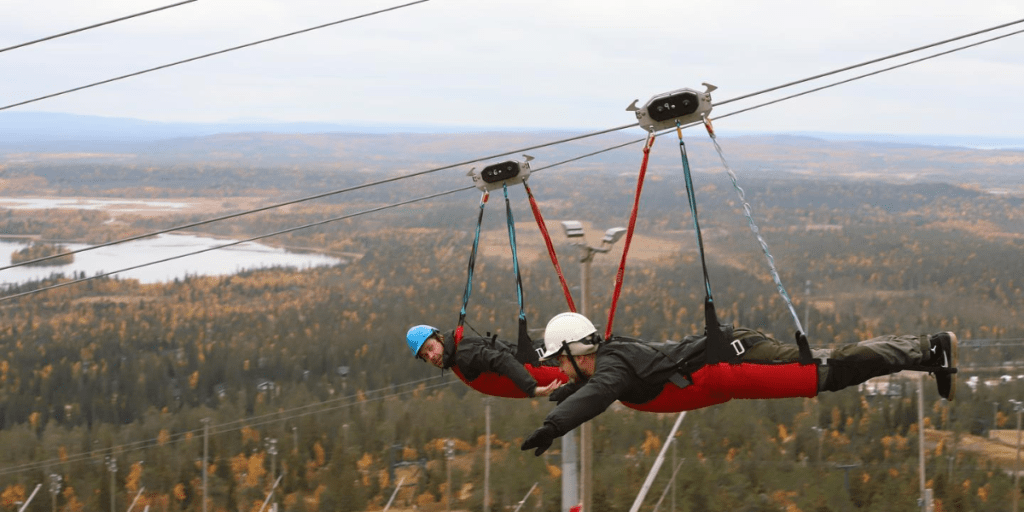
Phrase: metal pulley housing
(664, 110)
(494, 176)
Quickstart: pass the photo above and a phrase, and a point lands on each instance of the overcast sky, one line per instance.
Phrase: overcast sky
(520, 64)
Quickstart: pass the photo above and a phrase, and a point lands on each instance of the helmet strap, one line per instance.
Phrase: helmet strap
(572, 360)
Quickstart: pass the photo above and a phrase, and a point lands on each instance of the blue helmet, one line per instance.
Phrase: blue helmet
(419, 335)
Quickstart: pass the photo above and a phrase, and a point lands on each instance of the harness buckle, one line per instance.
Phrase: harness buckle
(738, 347)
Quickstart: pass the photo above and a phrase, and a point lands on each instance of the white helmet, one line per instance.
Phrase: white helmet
(570, 330)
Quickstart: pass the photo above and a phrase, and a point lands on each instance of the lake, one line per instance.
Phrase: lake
(231, 260)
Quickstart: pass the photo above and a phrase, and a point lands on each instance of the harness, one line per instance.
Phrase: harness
(491, 178)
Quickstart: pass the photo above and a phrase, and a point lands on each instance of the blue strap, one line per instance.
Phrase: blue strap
(472, 260)
(692, 199)
(718, 348)
(515, 259)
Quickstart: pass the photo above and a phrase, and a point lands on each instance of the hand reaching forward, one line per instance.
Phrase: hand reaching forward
(546, 390)
(540, 439)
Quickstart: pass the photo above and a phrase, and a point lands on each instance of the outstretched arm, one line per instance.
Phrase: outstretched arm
(481, 358)
(589, 400)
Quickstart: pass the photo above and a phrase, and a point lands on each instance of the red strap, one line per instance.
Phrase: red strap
(458, 335)
(629, 235)
(551, 249)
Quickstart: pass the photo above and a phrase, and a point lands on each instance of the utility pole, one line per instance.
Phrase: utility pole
(574, 231)
(449, 454)
(487, 454)
(272, 450)
(55, 485)
(1018, 406)
(807, 308)
(112, 468)
(206, 457)
(926, 504)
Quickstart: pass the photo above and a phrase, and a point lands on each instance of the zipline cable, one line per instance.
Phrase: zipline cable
(872, 61)
(237, 242)
(449, 167)
(439, 194)
(83, 29)
(8, 470)
(192, 59)
(548, 144)
(891, 68)
(323, 195)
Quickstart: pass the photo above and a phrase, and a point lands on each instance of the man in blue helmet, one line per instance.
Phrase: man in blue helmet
(472, 357)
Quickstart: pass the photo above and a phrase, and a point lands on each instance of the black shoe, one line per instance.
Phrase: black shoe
(944, 355)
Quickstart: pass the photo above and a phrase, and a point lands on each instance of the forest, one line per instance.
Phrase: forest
(117, 387)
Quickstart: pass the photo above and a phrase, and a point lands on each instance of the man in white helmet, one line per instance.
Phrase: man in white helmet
(638, 372)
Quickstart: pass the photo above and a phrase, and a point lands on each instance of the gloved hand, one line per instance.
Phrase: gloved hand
(540, 439)
(804, 347)
(562, 392)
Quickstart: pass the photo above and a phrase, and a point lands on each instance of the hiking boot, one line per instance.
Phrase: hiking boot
(944, 355)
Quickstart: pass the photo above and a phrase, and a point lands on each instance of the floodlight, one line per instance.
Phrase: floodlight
(613, 235)
(573, 228)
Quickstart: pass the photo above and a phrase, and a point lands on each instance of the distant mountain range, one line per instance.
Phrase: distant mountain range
(31, 130)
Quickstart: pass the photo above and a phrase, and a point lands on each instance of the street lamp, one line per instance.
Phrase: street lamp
(55, 485)
(575, 233)
(1018, 407)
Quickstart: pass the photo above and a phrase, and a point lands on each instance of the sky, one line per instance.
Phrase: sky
(523, 64)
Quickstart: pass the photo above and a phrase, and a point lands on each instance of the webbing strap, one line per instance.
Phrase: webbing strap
(469, 272)
(515, 259)
(551, 248)
(718, 346)
(754, 228)
(629, 235)
(524, 345)
(691, 198)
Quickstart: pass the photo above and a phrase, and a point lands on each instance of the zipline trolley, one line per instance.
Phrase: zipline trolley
(661, 112)
(494, 176)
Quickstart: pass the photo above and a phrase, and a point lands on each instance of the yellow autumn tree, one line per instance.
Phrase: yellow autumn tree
(131, 482)
(651, 443)
(12, 495)
(71, 503)
(255, 470)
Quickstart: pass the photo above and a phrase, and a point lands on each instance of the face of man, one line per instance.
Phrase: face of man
(432, 352)
(586, 364)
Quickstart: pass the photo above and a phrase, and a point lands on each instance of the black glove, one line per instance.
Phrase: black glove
(562, 392)
(540, 439)
(805, 348)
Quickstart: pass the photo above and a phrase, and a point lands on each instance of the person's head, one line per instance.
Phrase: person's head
(572, 338)
(425, 343)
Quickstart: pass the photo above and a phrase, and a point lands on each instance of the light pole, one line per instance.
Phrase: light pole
(272, 450)
(449, 454)
(112, 468)
(575, 233)
(1018, 407)
(55, 484)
